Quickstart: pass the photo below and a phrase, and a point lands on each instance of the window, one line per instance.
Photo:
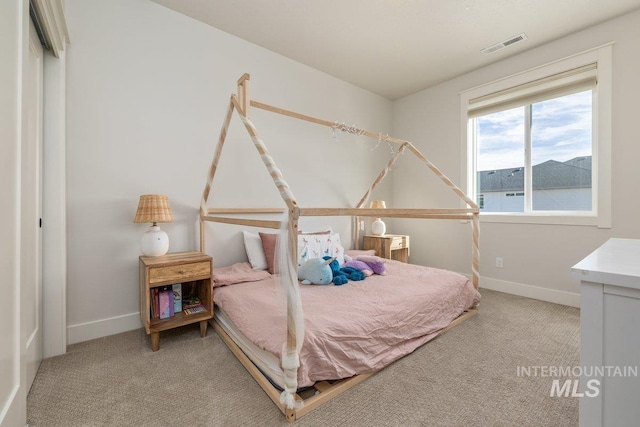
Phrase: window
(557, 133)
(538, 143)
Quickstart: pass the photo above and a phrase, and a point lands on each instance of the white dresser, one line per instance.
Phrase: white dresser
(610, 332)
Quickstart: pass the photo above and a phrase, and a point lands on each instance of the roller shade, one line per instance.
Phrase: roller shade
(565, 83)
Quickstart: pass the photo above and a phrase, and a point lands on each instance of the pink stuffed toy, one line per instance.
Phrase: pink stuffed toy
(376, 264)
(359, 265)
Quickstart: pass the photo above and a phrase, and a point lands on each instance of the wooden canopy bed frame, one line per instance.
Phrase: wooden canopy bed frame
(322, 391)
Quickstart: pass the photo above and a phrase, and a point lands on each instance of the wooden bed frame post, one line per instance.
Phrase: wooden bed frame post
(293, 244)
(442, 176)
(201, 235)
(243, 94)
(212, 170)
(363, 201)
(381, 175)
(294, 214)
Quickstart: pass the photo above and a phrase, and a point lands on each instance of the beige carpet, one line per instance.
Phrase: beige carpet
(465, 377)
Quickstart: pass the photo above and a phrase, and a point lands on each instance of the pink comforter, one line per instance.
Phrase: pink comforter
(355, 328)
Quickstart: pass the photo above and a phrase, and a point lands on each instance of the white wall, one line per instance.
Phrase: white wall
(537, 258)
(147, 90)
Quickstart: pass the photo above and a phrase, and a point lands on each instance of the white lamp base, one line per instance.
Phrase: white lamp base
(378, 228)
(155, 242)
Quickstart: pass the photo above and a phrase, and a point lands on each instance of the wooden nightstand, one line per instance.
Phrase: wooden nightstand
(193, 270)
(390, 246)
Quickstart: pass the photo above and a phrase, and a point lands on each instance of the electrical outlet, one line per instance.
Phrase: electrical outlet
(499, 262)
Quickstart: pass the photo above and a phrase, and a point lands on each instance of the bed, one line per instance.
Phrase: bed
(324, 336)
(352, 329)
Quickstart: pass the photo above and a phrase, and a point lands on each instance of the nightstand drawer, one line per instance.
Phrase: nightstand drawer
(399, 242)
(180, 273)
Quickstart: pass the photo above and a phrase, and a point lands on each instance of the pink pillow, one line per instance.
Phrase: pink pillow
(269, 241)
(237, 273)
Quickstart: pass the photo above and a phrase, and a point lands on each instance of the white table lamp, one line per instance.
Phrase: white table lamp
(154, 208)
(378, 228)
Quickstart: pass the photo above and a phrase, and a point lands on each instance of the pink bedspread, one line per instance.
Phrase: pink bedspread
(355, 328)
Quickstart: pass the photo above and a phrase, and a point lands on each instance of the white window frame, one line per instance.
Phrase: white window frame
(600, 216)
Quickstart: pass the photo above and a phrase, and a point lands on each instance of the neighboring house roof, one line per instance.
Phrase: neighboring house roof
(574, 173)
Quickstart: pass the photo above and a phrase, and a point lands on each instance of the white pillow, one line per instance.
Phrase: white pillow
(311, 246)
(335, 248)
(255, 253)
(319, 245)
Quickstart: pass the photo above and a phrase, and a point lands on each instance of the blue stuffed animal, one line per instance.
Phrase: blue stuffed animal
(343, 275)
(316, 271)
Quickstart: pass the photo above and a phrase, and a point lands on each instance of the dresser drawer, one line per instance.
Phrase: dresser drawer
(180, 273)
(399, 242)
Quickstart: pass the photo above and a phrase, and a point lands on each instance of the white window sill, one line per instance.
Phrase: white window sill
(551, 218)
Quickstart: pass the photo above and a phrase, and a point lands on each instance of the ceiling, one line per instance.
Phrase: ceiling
(398, 47)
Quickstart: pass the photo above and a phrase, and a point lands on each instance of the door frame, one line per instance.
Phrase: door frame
(52, 23)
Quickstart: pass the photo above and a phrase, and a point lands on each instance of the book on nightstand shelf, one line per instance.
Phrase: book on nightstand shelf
(156, 307)
(163, 304)
(191, 305)
(177, 297)
(197, 309)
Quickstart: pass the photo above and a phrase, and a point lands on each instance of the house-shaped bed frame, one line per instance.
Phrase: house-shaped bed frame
(322, 391)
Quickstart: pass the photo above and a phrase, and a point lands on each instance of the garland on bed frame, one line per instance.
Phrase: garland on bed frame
(290, 403)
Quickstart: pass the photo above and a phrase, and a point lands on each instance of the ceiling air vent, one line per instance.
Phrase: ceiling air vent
(503, 44)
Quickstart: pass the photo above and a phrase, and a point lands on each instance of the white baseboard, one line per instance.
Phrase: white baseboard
(529, 291)
(102, 328)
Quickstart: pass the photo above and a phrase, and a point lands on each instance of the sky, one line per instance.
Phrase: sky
(561, 130)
